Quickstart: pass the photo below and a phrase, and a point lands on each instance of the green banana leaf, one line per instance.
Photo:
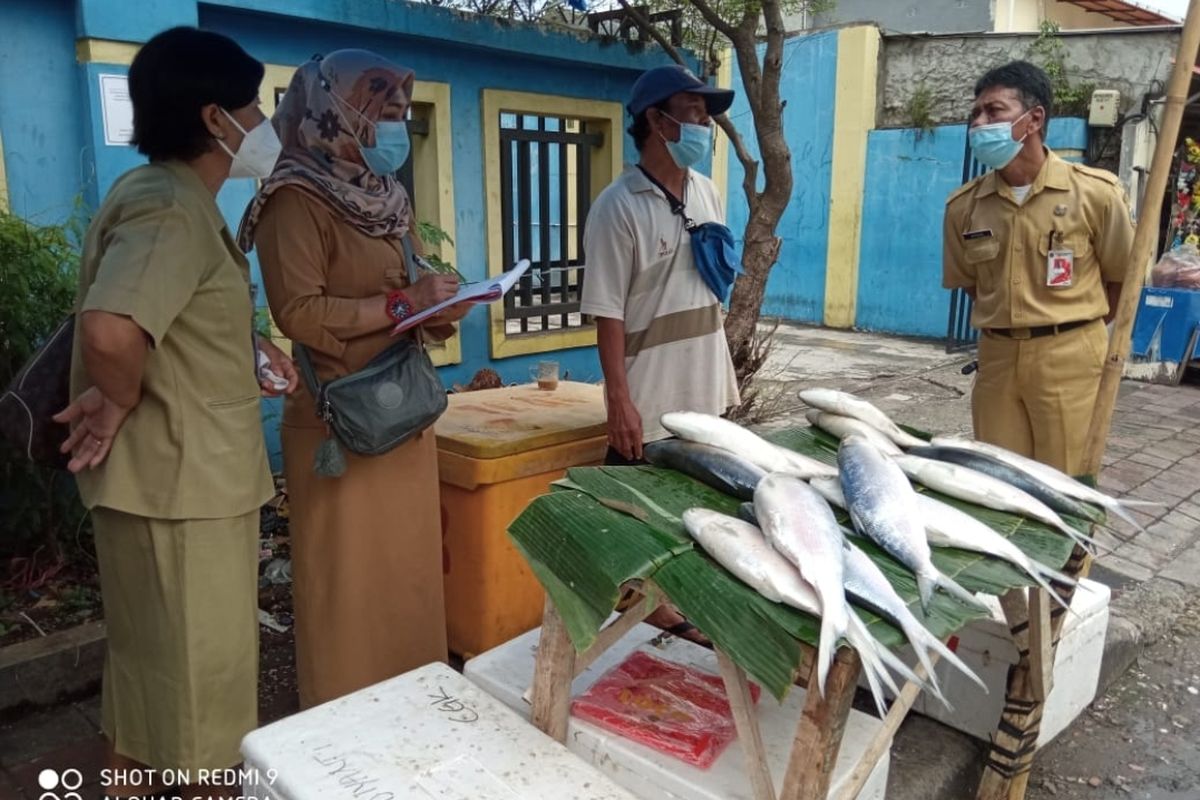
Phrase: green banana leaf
(603, 526)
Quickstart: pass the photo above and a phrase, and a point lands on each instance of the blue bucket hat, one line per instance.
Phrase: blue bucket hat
(656, 85)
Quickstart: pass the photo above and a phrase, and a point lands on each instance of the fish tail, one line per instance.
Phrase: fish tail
(951, 587)
(1043, 577)
(925, 584)
(1125, 501)
(919, 638)
(952, 658)
(1118, 508)
(877, 655)
(826, 650)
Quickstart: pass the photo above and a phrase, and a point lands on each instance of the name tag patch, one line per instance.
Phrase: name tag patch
(1060, 268)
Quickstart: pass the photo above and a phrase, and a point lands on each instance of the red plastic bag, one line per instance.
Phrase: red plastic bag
(673, 709)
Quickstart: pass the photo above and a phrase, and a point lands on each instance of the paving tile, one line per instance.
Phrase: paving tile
(1189, 509)
(1151, 460)
(1155, 495)
(1127, 569)
(1174, 485)
(1179, 448)
(90, 708)
(1167, 538)
(1185, 568)
(1142, 555)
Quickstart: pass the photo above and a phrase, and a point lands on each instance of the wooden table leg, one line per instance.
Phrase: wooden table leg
(819, 735)
(554, 669)
(1010, 759)
(882, 741)
(741, 702)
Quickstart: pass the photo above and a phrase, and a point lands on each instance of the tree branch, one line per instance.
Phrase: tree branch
(714, 19)
(646, 26)
(749, 164)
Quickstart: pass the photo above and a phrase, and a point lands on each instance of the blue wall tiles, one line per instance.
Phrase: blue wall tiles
(127, 21)
(796, 286)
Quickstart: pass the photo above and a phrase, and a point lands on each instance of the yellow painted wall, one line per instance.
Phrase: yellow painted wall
(720, 162)
(853, 120)
(3, 180)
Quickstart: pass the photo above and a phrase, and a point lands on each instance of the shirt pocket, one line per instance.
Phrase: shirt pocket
(982, 258)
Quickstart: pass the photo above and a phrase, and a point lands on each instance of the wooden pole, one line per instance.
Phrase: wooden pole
(553, 671)
(741, 703)
(1143, 242)
(819, 735)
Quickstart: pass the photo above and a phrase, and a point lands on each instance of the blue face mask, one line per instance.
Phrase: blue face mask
(994, 145)
(694, 143)
(390, 150)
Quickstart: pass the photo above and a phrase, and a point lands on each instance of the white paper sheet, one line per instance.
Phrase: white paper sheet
(480, 292)
(117, 109)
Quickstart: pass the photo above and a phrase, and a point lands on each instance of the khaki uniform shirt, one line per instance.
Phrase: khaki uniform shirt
(640, 270)
(158, 252)
(317, 269)
(1000, 248)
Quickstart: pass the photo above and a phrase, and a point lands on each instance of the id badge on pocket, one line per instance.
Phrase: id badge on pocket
(1060, 268)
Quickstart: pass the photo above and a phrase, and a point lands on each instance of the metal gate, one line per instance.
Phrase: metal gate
(545, 194)
(959, 333)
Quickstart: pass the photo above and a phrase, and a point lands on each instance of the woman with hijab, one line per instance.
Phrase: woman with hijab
(328, 226)
(166, 433)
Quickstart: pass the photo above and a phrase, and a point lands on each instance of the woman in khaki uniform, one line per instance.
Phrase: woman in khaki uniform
(166, 431)
(327, 225)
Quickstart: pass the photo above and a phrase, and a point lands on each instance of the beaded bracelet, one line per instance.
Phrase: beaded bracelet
(399, 306)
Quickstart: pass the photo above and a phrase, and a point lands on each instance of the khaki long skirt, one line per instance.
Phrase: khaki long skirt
(181, 606)
(366, 565)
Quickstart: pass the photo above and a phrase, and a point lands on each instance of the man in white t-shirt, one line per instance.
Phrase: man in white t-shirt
(659, 325)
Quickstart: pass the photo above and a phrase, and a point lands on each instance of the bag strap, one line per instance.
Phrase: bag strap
(678, 206)
(307, 371)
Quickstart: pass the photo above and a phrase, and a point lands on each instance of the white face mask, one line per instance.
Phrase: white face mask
(258, 152)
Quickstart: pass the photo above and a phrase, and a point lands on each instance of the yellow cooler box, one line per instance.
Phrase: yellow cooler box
(497, 450)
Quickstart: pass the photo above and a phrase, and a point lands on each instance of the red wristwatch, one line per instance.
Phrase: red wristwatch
(399, 306)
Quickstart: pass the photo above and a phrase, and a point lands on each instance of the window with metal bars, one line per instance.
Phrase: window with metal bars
(545, 194)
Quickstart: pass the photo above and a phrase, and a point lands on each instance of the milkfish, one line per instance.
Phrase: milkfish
(742, 549)
(800, 524)
(883, 507)
(984, 490)
(841, 427)
(721, 469)
(1054, 478)
(850, 406)
(870, 588)
(1013, 476)
(947, 526)
(718, 432)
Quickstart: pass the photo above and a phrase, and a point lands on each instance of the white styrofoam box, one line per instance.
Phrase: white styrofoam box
(507, 672)
(429, 734)
(987, 648)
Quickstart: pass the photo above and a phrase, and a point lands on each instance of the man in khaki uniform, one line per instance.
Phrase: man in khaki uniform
(1041, 246)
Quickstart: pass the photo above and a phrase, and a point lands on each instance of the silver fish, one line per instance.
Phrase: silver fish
(984, 490)
(946, 526)
(743, 550)
(866, 583)
(1054, 478)
(718, 432)
(721, 469)
(841, 427)
(848, 405)
(1013, 476)
(800, 525)
(883, 507)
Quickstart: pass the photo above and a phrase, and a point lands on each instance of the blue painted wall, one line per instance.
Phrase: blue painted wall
(909, 177)
(45, 148)
(52, 127)
(796, 287)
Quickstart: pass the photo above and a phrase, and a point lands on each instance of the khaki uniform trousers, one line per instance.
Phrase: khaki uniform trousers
(1035, 396)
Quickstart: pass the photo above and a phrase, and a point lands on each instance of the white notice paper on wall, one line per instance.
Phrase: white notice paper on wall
(117, 109)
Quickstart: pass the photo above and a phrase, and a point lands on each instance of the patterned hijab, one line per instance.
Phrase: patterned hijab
(320, 135)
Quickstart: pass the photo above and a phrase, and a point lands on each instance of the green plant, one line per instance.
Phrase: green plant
(434, 237)
(1048, 52)
(39, 508)
(919, 110)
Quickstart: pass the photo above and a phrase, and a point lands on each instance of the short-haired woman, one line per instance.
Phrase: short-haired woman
(166, 433)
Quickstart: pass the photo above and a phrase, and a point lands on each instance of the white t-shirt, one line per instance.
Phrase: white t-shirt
(1020, 193)
(640, 270)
